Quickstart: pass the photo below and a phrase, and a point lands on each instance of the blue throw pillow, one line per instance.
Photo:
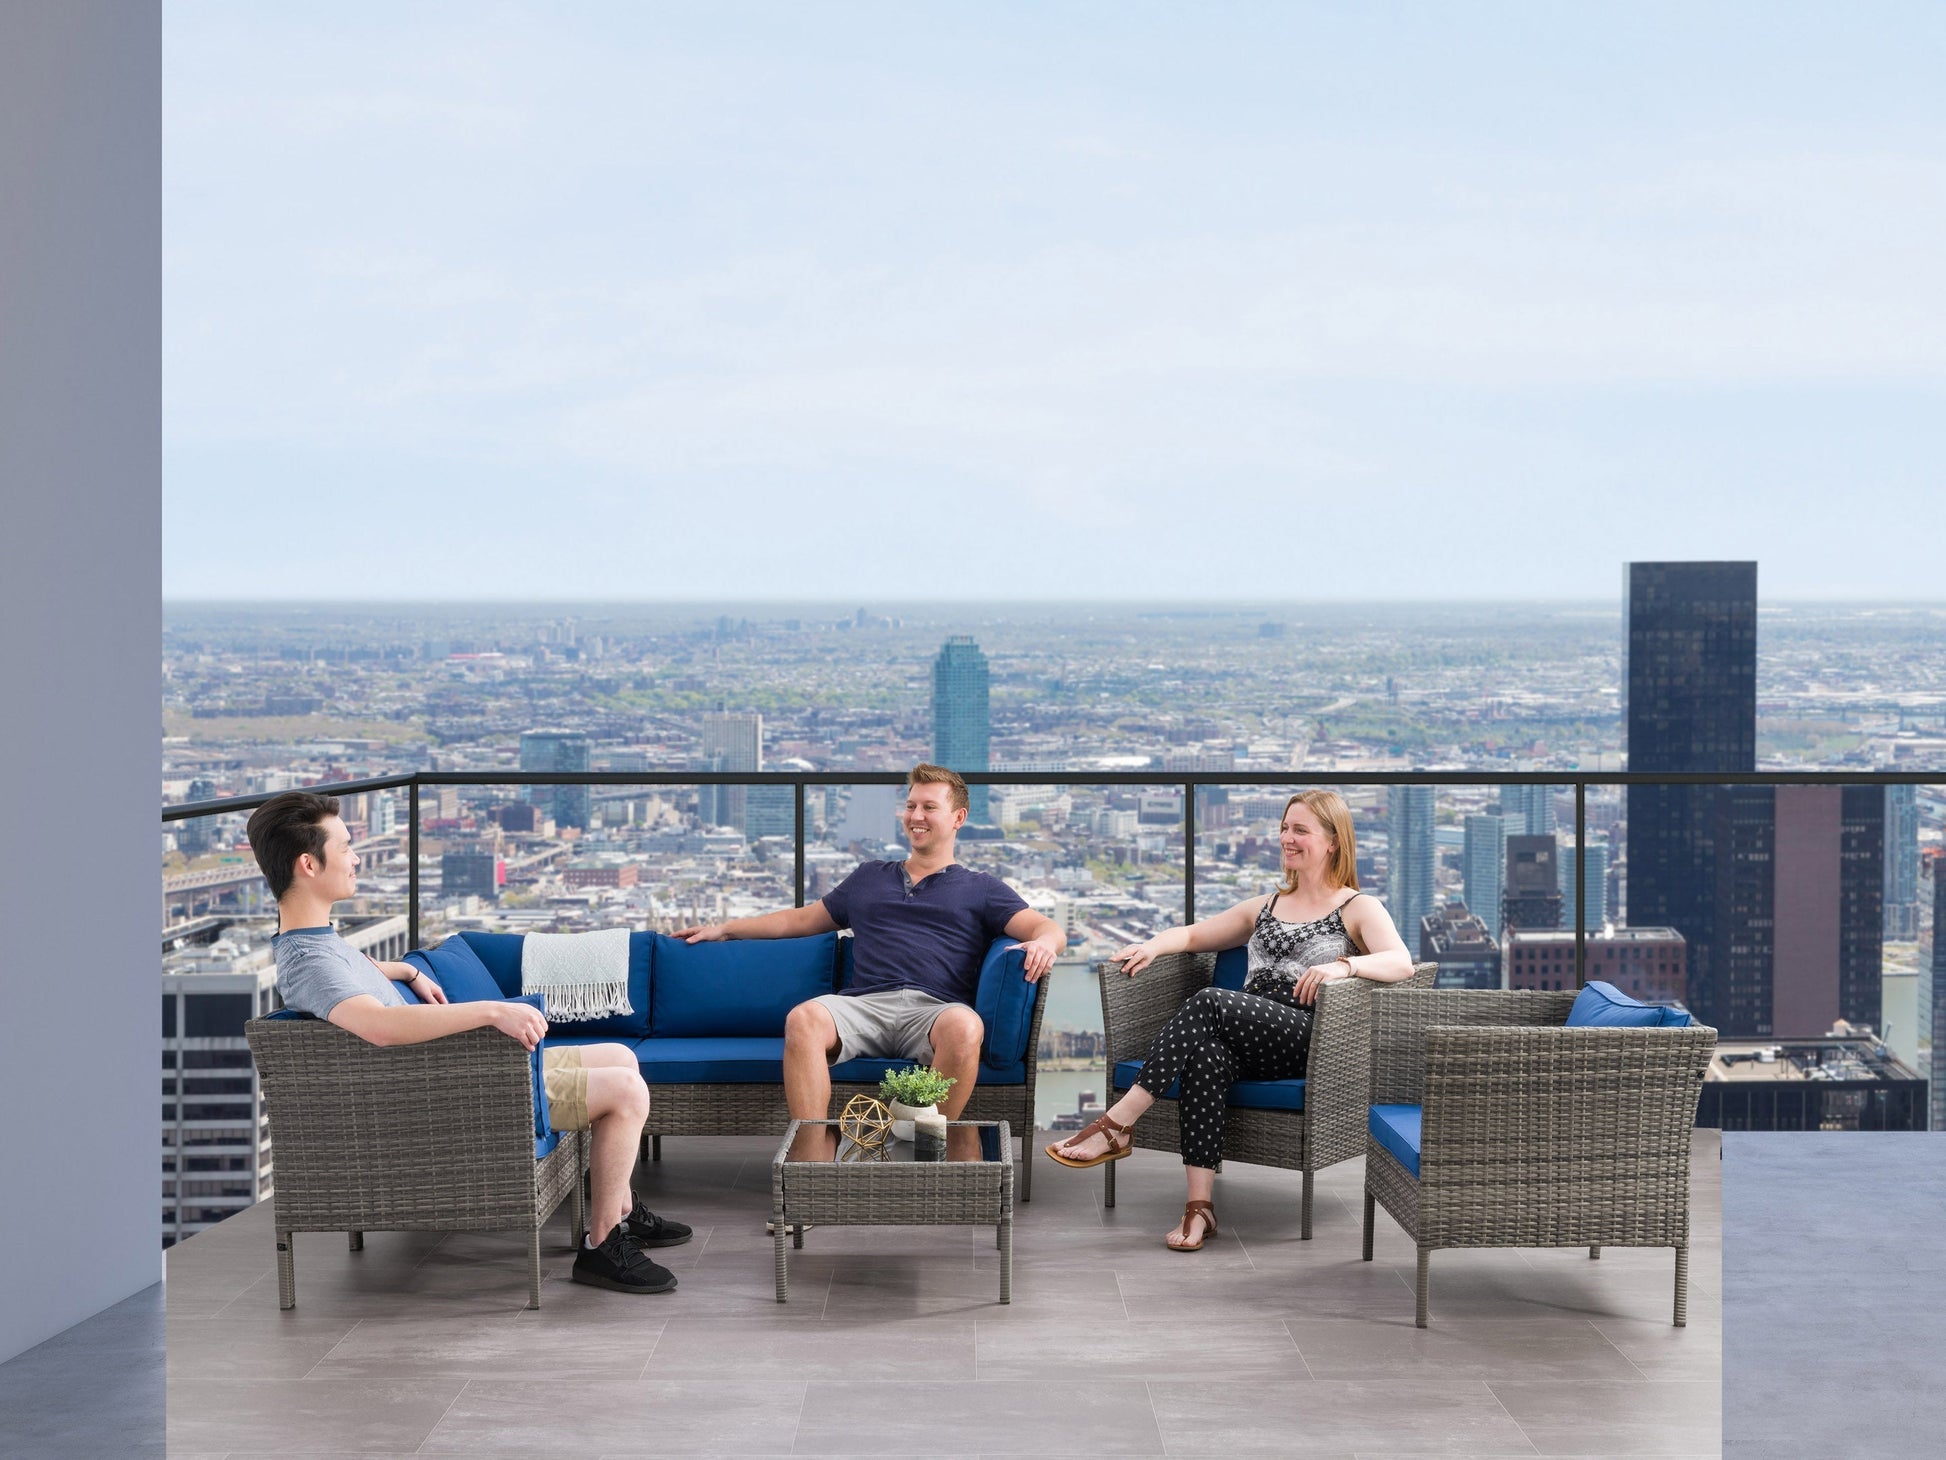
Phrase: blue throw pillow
(457, 969)
(1232, 967)
(706, 990)
(500, 952)
(1005, 1002)
(1603, 1006)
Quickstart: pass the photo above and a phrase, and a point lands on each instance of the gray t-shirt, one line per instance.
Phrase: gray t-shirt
(317, 971)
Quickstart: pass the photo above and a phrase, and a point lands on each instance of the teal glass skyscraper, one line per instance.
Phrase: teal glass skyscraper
(1409, 879)
(557, 750)
(962, 730)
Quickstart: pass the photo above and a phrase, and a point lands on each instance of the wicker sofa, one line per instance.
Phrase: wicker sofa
(1494, 1125)
(1295, 1125)
(445, 1136)
(708, 1027)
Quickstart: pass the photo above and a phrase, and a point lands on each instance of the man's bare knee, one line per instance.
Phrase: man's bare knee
(810, 1025)
(957, 1032)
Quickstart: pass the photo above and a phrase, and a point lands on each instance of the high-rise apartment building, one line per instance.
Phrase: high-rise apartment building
(1901, 863)
(1798, 909)
(557, 750)
(1932, 992)
(730, 743)
(1410, 858)
(1529, 810)
(1595, 914)
(1458, 941)
(1531, 898)
(1690, 679)
(1483, 868)
(1644, 963)
(962, 727)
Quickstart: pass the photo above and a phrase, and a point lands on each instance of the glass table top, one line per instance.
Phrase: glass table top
(821, 1141)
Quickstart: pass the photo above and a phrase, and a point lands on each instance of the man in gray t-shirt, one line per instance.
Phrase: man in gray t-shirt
(317, 971)
(305, 852)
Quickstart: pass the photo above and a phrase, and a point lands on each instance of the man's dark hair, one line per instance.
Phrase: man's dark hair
(284, 828)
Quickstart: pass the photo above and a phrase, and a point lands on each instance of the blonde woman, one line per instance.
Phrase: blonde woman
(1314, 927)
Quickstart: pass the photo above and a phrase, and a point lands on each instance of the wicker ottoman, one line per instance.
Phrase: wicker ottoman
(888, 1188)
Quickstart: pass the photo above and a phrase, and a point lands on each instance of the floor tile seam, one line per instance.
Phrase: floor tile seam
(1309, 1373)
(643, 1372)
(803, 1404)
(425, 1439)
(1519, 1428)
(1618, 1350)
(356, 1325)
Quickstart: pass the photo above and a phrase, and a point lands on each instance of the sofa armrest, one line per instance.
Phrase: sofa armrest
(455, 1114)
(1133, 1010)
(1401, 1018)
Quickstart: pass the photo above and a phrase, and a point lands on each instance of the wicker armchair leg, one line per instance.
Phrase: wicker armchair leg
(655, 1148)
(1594, 1253)
(1026, 1167)
(1370, 1203)
(1006, 1236)
(578, 1208)
(1108, 1184)
(1682, 1287)
(1425, 1259)
(357, 1241)
(286, 1272)
(1304, 1215)
(534, 1266)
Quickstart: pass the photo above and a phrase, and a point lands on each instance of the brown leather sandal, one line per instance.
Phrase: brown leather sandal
(1102, 1125)
(1194, 1209)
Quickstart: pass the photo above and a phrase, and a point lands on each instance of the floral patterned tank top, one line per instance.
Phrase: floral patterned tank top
(1279, 952)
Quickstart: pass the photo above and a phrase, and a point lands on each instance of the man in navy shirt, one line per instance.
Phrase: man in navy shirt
(920, 929)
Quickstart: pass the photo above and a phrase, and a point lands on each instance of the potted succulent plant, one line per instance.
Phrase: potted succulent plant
(915, 1090)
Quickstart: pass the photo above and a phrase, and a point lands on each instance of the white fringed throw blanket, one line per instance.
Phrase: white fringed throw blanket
(578, 975)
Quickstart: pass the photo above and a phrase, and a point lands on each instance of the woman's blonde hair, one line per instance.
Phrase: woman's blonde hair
(1335, 817)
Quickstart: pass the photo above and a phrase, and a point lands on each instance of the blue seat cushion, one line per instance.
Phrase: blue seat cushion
(1232, 966)
(734, 1060)
(1396, 1127)
(457, 969)
(1005, 1003)
(500, 954)
(1244, 1094)
(1603, 1006)
(742, 989)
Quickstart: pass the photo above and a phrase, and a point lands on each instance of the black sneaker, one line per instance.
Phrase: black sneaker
(649, 1230)
(620, 1263)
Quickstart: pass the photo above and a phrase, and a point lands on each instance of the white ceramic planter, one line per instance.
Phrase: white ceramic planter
(902, 1117)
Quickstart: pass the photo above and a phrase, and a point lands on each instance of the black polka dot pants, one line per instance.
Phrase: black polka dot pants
(1217, 1037)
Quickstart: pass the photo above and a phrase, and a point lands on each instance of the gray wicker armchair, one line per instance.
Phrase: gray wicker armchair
(1330, 1127)
(1532, 1134)
(418, 1137)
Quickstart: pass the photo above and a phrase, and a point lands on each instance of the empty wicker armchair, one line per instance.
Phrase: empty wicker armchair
(438, 1136)
(1493, 1124)
(1295, 1125)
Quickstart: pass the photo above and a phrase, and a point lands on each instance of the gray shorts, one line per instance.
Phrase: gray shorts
(891, 1025)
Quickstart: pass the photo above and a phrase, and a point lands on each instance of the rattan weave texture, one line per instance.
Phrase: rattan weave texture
(434, 1136)
(1533, 1134)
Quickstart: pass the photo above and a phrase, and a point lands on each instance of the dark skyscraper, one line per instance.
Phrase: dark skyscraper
(557, 750)
(1690, 674)
(961, 727)
(1532, 888)
(1934, 992)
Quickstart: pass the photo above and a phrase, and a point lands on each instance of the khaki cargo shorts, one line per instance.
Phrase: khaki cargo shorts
(566, 1083)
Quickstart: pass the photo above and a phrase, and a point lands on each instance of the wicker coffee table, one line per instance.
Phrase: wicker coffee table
(854, 1187)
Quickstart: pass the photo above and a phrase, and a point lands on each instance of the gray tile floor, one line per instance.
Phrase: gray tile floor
(892, 1342)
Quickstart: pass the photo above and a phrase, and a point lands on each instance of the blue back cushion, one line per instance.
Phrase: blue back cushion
(1232, 964)
(741, 989)
(1005, 1003)
(1602, 1005)
(457, 969)
(500, 954)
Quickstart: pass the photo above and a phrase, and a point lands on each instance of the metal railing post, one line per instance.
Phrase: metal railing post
(797, 792)
(412, 865)
(1188, 852)
(1580, 882)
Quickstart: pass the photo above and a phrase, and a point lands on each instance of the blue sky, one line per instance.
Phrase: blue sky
(1105, 300)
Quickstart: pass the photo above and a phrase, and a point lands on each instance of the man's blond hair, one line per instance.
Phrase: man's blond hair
(927, 774)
